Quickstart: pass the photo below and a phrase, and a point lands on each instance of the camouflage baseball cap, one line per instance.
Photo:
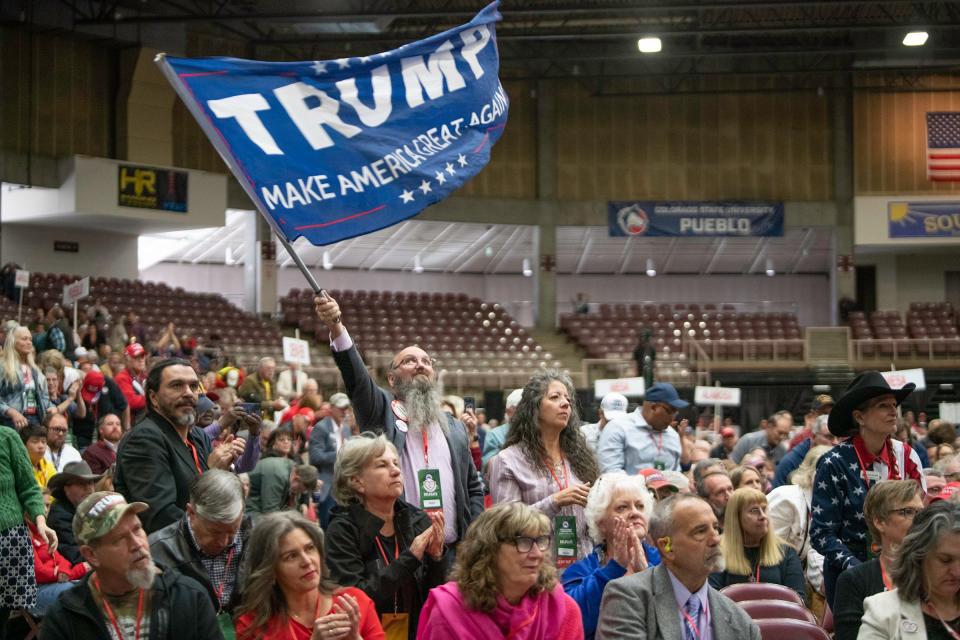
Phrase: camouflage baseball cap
(99, 513)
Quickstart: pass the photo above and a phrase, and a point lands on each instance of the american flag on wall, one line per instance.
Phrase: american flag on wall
(943, 146)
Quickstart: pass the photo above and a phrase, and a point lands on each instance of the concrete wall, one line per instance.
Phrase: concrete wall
(906, 278)
(100, 253)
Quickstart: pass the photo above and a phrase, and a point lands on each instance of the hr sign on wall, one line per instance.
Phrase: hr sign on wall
(152, 188)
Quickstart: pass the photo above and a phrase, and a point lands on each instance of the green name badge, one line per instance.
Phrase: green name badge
(431, 498)
(660, 464)
(565, 537)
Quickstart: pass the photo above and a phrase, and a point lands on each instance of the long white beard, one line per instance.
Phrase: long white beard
(422, 399)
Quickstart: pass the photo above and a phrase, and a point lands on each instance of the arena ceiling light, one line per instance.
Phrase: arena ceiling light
(770, 270)
(915, 39)
(527, 271)
(417, 267)
(327, 262)
(649, 44)
(651, 270)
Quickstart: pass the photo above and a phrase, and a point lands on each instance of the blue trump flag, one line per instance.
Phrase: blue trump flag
(334, 149)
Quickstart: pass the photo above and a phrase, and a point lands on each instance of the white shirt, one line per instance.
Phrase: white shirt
(60, 460)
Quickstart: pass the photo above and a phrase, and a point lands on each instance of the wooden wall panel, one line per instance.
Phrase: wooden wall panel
(511, 172)
(706, 146)
(57, 95)
(890, 137)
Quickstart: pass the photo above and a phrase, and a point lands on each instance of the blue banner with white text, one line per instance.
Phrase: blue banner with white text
(331, 149)
(923, 219)
(648, 218)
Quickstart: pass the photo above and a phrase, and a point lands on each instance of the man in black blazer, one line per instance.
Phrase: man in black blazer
(674, 600)
(410, 406)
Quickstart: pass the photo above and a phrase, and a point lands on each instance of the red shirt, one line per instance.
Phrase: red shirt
(277, 628)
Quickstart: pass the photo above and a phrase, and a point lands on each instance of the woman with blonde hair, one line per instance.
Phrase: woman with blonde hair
(380, 543)
(503, 584)
(753, 552)
(24, 398)
(289, 593)
(744, 476)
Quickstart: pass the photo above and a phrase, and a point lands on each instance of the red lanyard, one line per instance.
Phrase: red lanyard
(950, 630)
(659, 440)
(109, 610)
(887, 584)
(863, 468)
(694, 624)
(316, 614)
(426, 448)
(566, 474)
(196, 460)
(396, 549)
(223, 582)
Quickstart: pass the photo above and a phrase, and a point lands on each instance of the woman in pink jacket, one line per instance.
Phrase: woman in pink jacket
(504, 584)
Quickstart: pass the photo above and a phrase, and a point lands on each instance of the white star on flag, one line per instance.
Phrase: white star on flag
(450, 168)
(817, 510)
(425, 187)
(407, 196)
(344, 63)
(364, 59)
(462, 160)
(440, 177)
(319, 67)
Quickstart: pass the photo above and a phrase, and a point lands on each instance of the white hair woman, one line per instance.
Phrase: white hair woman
(379, 543)
(617, 512)
(24, 397)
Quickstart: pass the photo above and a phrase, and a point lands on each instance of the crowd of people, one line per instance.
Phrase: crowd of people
(165, 497)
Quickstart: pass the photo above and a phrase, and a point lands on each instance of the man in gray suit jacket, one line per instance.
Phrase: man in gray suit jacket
(412, 404)
(674, 601)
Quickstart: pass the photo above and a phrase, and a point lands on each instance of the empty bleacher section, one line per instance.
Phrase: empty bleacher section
(719, 331)
(930, 333)
(477, 344)
(206, 316)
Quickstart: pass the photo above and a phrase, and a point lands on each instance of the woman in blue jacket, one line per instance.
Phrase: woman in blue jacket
(617, 512)
(23, 387)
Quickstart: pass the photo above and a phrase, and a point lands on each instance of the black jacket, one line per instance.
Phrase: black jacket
(854, 585)
(171, 547)
(155, 466)
(371, 405)
(355, 561)
(60, 519)
(111, 400)
(180, 610)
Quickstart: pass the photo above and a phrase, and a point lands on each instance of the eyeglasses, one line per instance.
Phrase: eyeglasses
(907, 512)
(58, 429)
(525, 543)
(412, 361)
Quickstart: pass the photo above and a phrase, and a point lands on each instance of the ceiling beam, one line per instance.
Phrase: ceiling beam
(584, 250)
(470, 252)
(666, 263)
(504, 251)
(392, 241)
(437, 238)
(802, 250)
(453, 15)
(718, 247)
(625, 256)
(221, 240)
(758, 255)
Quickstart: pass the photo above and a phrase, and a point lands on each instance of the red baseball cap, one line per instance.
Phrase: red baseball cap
(656, 480)
(92, 385)
(135, 350)
(947, 492)
(727, 432)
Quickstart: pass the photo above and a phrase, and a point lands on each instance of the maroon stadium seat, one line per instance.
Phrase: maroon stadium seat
(792, 629)
(777, 609)
(761, 591)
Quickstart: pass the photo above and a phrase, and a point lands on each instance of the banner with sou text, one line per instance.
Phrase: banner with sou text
(332, 149)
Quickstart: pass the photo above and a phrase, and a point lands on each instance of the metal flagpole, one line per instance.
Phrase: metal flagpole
(301, 265)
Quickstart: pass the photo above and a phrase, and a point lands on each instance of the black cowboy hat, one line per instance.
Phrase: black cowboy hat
(72, 472)
(868, 384)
